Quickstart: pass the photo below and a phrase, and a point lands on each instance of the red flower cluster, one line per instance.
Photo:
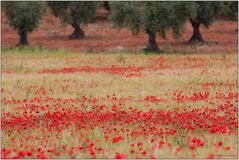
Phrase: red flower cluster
(129, 71)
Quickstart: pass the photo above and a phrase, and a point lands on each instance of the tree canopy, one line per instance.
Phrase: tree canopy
(74, 13)
(230, 10)
(23, 16)
(206, 14)
(152, 17)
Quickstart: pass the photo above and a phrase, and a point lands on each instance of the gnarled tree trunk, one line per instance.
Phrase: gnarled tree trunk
(78, 33)
(23, 39)
(196, 37)
(152, 45)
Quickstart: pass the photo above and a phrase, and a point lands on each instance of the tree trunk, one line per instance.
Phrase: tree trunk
(152, 45)
(196, 37)
(78, 33)
(23, 39)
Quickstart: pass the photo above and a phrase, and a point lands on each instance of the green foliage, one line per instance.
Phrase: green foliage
(160, 16)
(126, 14)
(74, 12)
(23, 16)
(106, 5)
(152, 16)
(230, 10)
(207, 12)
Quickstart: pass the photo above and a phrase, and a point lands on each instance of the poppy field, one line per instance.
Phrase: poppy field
(58, 104)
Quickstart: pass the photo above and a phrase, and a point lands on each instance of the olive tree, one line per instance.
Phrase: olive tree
(206, 14)
(23, 16)
(74, 13)
(152, 17)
